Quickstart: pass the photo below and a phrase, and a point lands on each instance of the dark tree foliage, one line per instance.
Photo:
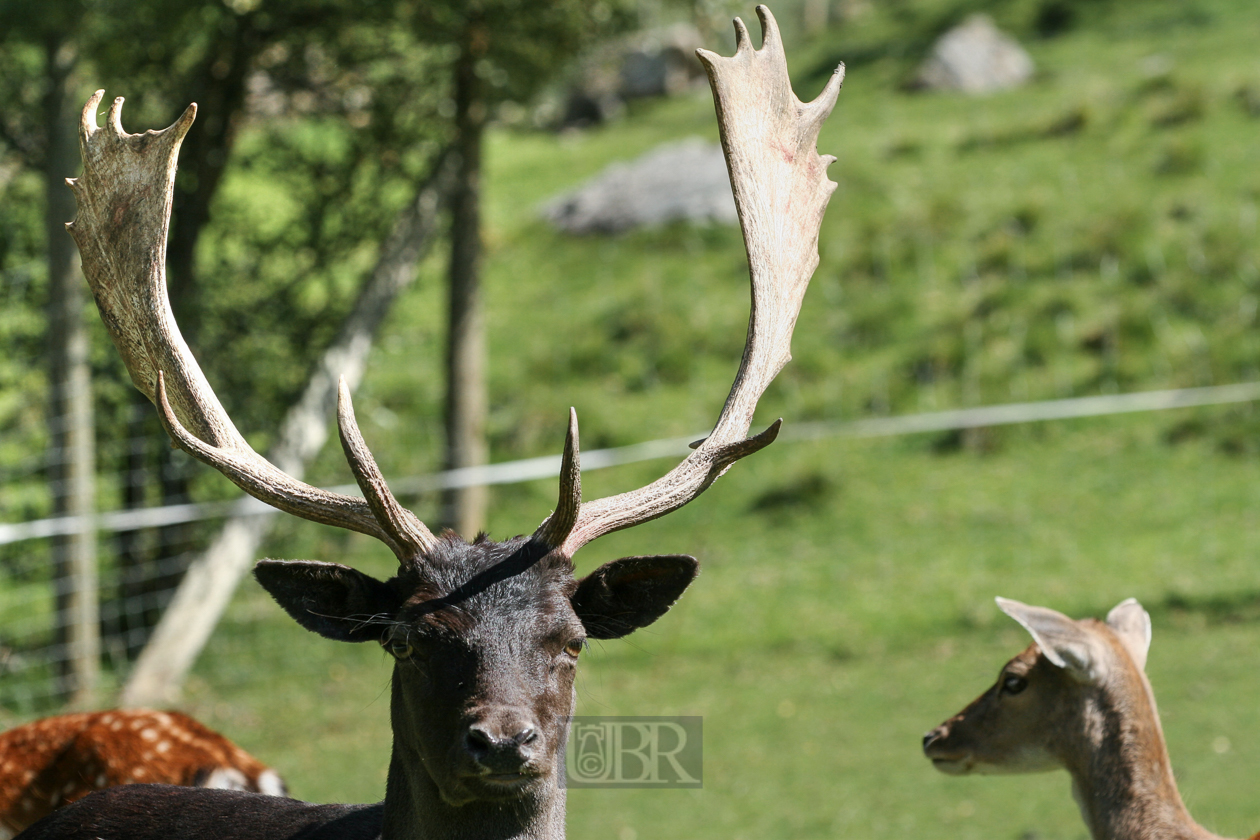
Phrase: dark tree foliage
(322, 116)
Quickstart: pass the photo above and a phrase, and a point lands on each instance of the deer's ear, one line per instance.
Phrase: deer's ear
(1133, 626)
(620, 597)
(1063, 641)
(335, 601)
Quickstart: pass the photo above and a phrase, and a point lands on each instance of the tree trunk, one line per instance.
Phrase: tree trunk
(72, 456)
(464, 508)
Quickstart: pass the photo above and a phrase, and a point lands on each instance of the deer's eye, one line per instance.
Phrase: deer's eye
(574, 647)
(1012, 684)
(397, 645)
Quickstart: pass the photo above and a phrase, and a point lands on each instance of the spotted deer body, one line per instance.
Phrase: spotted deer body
(52, 762)
(1077, 698)
(485, 635)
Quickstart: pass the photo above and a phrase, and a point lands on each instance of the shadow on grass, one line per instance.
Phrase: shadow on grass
(1220, 608)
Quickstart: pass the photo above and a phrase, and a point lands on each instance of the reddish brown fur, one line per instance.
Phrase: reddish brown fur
(51, 762)
(1077, 699)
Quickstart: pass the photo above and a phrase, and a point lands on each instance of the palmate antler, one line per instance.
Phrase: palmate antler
(124, 199)
(781, 190)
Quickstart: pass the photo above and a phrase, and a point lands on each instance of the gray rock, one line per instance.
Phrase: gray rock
(686, 180)
(976, 57)
(656, 62)
(662, 62)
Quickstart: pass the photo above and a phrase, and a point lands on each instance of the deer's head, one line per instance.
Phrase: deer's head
(1050, 701)
(486, 638)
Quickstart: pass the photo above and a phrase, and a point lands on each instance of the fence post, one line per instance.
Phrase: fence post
(72, 465)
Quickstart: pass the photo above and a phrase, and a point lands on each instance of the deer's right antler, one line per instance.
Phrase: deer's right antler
(124, 199)
(781, 190)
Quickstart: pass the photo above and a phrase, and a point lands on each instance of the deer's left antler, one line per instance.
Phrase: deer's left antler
(124, 199)
(781, 191)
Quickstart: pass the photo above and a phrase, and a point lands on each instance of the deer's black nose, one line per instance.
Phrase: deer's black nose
(502, 743)
(934, 735)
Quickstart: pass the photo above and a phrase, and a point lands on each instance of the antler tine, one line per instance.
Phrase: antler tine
(413, 538)
(557, 526)
(781, 191)
(124, 199)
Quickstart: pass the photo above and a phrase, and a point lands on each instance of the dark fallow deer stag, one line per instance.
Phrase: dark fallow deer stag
(486, 634)
(1077, 698)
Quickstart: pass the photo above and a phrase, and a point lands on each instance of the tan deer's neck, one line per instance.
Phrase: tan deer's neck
(1122, 779)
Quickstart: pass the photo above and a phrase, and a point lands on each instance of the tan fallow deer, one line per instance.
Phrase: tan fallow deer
(1077, 698)
(49, 763)
(486, 635)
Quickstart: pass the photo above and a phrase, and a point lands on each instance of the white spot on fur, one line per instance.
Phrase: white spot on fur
(226, 778)
(163, 746)
(270, 783)
(101, 781)
(149, 735)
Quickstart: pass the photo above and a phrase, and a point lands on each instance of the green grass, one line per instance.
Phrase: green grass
(1093, 232)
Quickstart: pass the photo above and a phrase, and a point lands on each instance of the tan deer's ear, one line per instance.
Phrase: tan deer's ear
(1132, 625)
(1063, 642)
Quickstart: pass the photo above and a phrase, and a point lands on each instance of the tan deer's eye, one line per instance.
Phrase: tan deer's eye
(574, 648)
(1012, 684)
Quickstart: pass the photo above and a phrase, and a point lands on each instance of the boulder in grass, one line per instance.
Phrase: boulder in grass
(976, 57)
(686, 180)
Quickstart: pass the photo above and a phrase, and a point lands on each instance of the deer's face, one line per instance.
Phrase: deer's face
(1009, 728)
(1051, 704)
(486, 639)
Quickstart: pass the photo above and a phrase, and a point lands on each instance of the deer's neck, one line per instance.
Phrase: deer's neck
(1121, 776)
(415, 810)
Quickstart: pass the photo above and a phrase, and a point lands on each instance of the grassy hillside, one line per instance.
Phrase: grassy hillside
(1095, 231)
